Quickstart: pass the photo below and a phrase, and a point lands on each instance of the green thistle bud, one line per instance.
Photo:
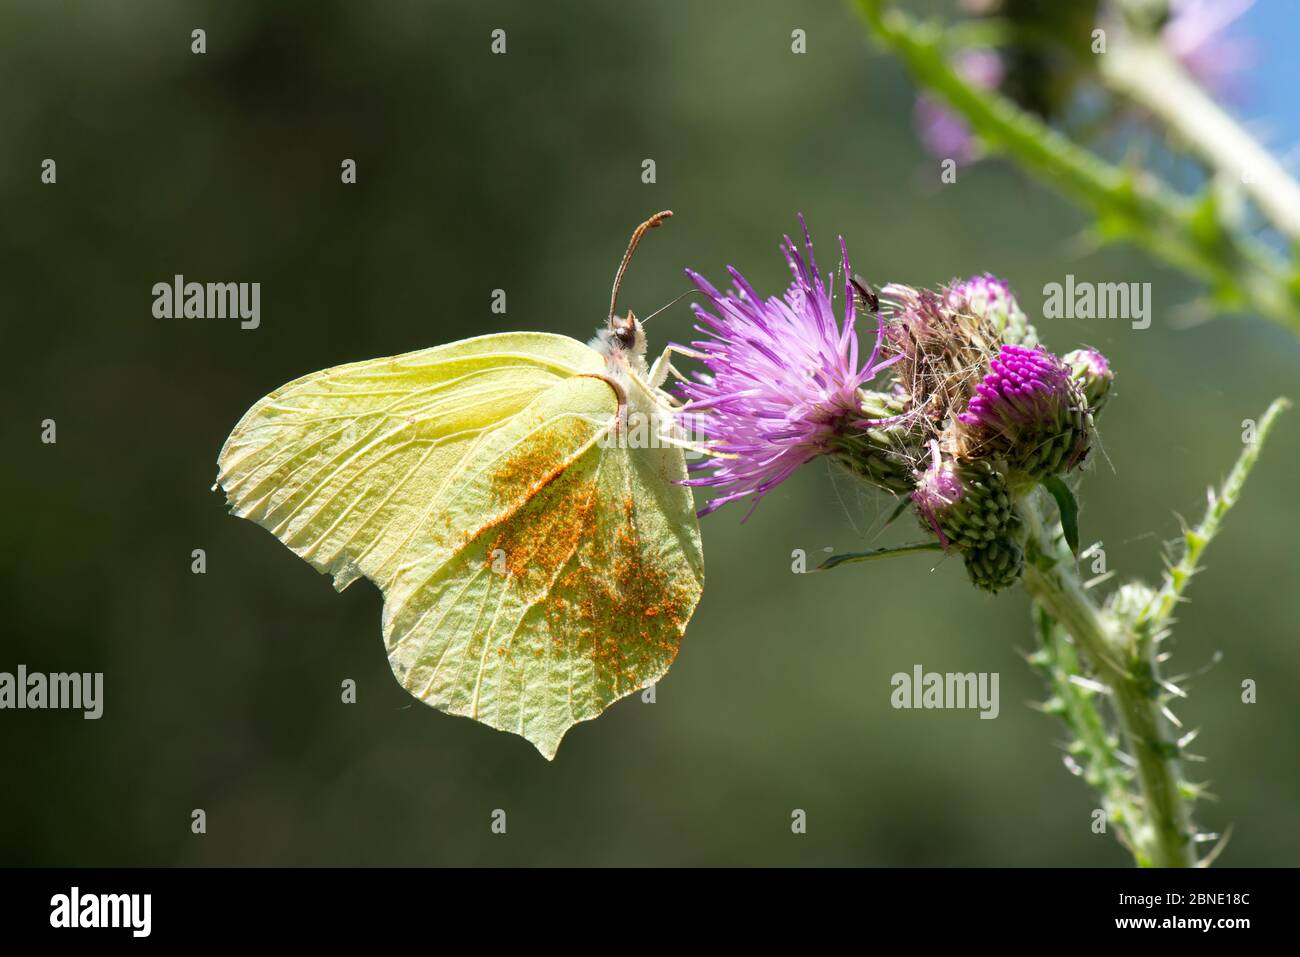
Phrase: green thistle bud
(880, 451)
(875, 456)
(995, 565)
(966, 504)
(1091, 372)
(1129, 600)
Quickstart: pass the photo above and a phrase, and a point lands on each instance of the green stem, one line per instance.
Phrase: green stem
(1189, 234)
(1127, 669)
(1075, 703)
(1143, 71)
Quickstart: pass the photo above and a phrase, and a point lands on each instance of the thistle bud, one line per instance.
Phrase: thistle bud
(1091, 372)
(1129, 600)
(966, 504)
(879, 451)
(996, 565)
(1030, 412)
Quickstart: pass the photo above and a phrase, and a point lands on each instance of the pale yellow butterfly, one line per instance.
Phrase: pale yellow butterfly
(516, 498)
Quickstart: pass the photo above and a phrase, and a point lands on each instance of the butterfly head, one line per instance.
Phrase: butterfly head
(625, 333)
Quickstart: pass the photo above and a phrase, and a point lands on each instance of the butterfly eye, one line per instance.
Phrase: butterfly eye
(624, 328)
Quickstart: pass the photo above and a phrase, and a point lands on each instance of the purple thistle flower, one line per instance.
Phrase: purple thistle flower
(783, 378)
(1090, 362)
(1030, 411)
(1023, 390)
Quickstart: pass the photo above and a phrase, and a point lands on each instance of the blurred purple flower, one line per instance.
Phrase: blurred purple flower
(783, 378)
(942, 132)
(1195, 35)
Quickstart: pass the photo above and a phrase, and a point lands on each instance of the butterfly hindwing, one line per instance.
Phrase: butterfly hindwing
(574, 600)
(534, 567)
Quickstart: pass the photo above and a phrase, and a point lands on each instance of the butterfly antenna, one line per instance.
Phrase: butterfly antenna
(688, 292)
(640, 231)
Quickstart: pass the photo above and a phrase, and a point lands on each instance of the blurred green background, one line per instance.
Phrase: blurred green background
(522, 172)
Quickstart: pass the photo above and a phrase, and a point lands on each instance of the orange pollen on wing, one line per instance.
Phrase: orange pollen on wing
(581, 560)
(537, 460)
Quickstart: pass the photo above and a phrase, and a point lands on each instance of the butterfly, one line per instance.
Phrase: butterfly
(517, 499)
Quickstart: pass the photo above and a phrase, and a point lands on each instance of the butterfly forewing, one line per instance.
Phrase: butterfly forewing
(348, 465)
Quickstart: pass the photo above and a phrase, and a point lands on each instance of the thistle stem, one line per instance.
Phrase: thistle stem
(1189, 233)
(1127, 668)
(1144, 71)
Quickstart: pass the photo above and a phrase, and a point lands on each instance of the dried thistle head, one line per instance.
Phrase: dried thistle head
(945, 340)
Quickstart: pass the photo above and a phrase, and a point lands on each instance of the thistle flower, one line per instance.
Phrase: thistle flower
(783, 382)
(943, 338)
(1029, 410)
(1022, 388)
(938, 490)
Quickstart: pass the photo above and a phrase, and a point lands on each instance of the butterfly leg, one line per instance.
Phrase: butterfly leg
(663, 365)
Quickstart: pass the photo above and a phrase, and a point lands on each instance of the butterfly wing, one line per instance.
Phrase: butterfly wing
(533, 571)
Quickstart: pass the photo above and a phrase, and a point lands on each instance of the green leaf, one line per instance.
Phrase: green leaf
(1069, 509)
(902, 505)
(869, 556)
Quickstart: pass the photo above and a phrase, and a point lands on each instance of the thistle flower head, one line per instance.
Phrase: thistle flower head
(966, 504)
(783, 377)
(974, 414)
(938, 488)
(996, 565)
(1023, 387)
(1028, 409)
